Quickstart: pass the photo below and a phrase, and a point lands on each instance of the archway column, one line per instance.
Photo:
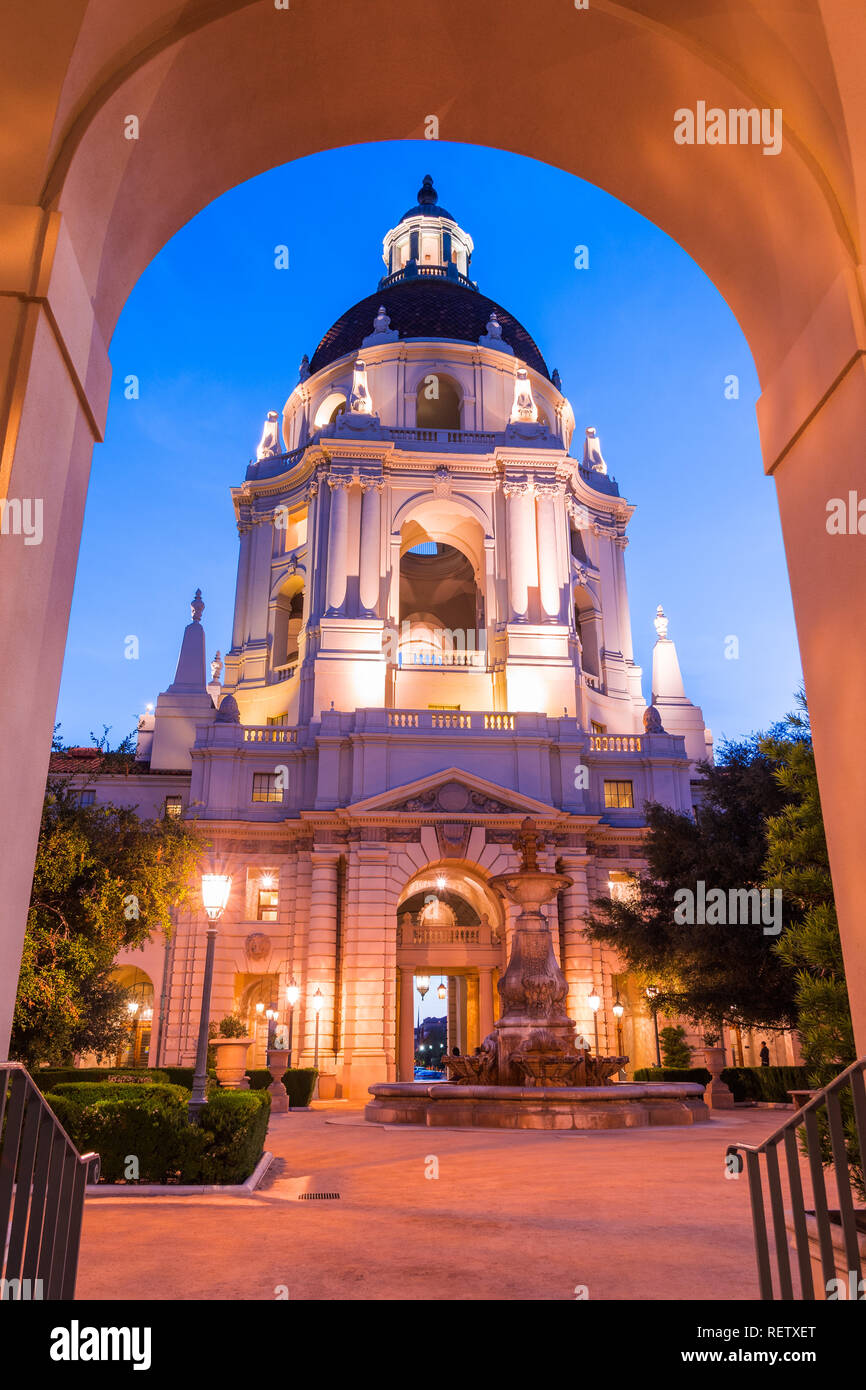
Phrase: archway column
(338, 542)
(406, 1061)
(371, 506)
(485, 1000)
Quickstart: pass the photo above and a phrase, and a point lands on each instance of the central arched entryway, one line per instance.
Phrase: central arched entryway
(451, 929)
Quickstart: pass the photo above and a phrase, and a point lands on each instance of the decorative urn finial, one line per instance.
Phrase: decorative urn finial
(196, 608)
(216, 667)
(427, 193)
(660, 623)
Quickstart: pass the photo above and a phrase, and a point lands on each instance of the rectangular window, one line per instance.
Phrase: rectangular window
(267, 905)
(265, 787)
(86, 798)
(173, 807)
(598, 729)
(277, 719)
(618, 795)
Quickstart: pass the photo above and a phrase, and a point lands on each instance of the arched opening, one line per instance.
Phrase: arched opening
(587, 623)
(256, 995)
(333, 405)
(437, 403)
(797, 310)
(139, 986)
(441, 606)
(450, 951)
(288, 621)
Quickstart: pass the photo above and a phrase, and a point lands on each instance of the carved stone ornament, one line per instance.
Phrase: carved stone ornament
(442, 482)
(258, 946)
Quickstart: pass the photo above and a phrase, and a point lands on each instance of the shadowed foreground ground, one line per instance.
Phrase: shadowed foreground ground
(643, 1214)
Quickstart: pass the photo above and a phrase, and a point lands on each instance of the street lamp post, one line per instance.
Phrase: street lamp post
(318, 1001)
(293, 994)
(618, 1011)
(651, 991)
(594, 1000)
(215, 889)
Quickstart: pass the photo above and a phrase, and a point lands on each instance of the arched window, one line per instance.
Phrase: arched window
(333, 405)
(288, 621)
(588, 624)
(441, 608)
(438, 403)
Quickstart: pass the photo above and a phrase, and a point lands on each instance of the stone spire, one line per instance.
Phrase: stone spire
(667, 677)
(190, 678)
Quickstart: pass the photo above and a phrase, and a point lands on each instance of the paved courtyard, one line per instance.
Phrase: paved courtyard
(643, 1214)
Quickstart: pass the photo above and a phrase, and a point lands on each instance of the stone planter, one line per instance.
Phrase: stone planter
(717, 1095)
(848, 1285)
(326, 1085)
(278, 1060)
(231, 1062)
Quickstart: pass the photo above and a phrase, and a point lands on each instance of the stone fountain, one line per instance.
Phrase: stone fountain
(532, 1072)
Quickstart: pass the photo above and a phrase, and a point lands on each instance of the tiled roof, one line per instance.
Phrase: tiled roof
(426, 308)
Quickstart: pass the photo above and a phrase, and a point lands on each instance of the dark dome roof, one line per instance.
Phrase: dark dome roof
(426, 308)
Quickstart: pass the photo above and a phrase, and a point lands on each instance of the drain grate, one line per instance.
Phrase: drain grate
(318, 1196)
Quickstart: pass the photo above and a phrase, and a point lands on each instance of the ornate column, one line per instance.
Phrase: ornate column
(371, 504)
(548, 551)
(321, 963)
(578, 964)
(522, 563)
(406, 1060)
(338, 542)
(485, 1000)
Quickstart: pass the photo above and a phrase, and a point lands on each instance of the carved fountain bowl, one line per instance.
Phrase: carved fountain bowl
(530, 889)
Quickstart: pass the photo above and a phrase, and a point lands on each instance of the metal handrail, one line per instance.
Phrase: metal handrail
(806, 1117)
(42, 1187)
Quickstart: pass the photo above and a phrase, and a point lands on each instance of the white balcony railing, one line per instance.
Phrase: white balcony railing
(269, 733)
(615, 743)
(449, 719)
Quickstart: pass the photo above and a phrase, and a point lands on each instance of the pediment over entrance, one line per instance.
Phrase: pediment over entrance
(453, 792)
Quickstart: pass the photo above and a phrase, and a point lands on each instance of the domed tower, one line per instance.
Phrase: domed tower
(415, 533)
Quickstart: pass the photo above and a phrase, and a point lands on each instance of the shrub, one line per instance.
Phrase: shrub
(699, 1074)
(229, 1027)
(151, 1123)
(148, 1123)
(234, 1124)
(300, 1083)
(675, 1050)
(746, 1083)
(82, 1093)
(46, 1078)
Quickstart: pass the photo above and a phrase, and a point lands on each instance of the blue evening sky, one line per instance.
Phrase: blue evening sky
(642, 339)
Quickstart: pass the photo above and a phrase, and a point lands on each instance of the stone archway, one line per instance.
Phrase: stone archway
(119, 109)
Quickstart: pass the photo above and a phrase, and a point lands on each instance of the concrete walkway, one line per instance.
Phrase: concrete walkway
(641, 1214)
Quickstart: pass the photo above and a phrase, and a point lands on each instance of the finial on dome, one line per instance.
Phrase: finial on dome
(382, 321)
(304, 368)
(592, 455)
(196, 608)
(494, 327)
(427, 193)
(556, 379)
(216, 668)
(660, 623)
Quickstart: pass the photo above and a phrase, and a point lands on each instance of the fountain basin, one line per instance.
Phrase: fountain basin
(624, 1105)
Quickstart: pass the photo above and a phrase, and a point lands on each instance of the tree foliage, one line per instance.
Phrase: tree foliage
(104, 880)
(709, 974)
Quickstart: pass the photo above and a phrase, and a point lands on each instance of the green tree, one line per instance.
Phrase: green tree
(797, 863)
(675, 1050)
(710, 974)
(104, 880)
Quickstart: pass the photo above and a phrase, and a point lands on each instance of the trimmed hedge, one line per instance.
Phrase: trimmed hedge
(47, 1078)
(151, 1124)
(300, 1082)
(235, 1123)
(746, 1083)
